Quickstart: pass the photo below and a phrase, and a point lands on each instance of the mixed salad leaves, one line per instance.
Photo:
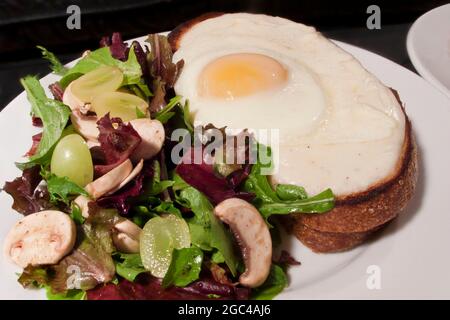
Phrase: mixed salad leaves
(145, 227)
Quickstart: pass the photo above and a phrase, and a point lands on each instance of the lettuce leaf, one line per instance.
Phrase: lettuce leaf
(28, 197)
(117, 142)
(128, 265)
(61, 189)
(131, 68)
(275, 283)
(73, 294)
(56, 65)
(54, 115)
(184, 268)
(207, 231)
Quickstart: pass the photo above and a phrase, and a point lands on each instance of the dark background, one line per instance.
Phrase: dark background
(26, 23)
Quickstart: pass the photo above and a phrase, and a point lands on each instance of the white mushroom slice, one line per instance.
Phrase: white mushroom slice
(152, 135)
(40, 238)
(83, 203)
(110, 180)
(253, 237)
(126, 236)
(71, 100)
(85, 125)
(92, 143)
(137, 169)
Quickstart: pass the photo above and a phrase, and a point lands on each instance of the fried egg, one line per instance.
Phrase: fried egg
(339, 126)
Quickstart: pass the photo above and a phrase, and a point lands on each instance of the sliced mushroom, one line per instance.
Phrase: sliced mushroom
(110, 180)
(152, 135)
(85, 125)
(253, 237)
(137, 169)
(83, 203)
(126, 236)
(40, 238)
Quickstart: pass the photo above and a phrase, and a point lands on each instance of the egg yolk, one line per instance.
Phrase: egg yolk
(240, 75)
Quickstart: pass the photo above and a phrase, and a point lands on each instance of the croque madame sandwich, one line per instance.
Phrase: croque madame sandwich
(339, 126)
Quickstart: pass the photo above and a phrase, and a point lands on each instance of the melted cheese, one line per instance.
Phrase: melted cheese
(339, 126)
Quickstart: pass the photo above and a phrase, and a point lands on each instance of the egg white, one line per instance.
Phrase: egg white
(339, 126)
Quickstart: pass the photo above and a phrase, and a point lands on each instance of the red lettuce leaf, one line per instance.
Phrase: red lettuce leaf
(122, 200)
(117, 142)
(236, 178)
(28, 198)
(118, 48)
(150, 288)
(202, 177)
(57, 91)
(141, 56)
(35, 143)
(36, 121)
(286, 259)
(163, 72)
(161, 65)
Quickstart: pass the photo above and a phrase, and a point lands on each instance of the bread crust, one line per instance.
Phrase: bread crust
(326, 242)
(177, 34)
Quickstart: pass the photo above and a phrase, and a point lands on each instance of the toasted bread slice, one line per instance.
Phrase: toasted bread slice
(369, 209)
(355, 215)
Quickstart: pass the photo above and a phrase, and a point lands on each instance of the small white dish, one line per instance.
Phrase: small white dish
(428, 45)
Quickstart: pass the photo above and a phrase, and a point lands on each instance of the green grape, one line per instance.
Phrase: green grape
(118, 104)
(158, 239)
(72, 159)
(102, 79)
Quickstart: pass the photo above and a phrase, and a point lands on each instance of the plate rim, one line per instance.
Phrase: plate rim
(292, 295)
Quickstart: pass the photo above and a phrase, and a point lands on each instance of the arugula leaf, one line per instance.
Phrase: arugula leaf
(157, 186)
(76, 215)
(207, 231)
(187, 117)
(141, 90)
(131, 68)
(72, 294)
(275, 283)
(56, 65)
(140, 114)
(286, 198)
(60, 188)
(217, 257)
(165, 113)
(320, 203)
(179, 183)
(184, 268)
(290, 192)
(128, 265)
(54, 116)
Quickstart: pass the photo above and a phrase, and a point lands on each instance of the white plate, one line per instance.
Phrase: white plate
(412, 253)
(428, 45)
